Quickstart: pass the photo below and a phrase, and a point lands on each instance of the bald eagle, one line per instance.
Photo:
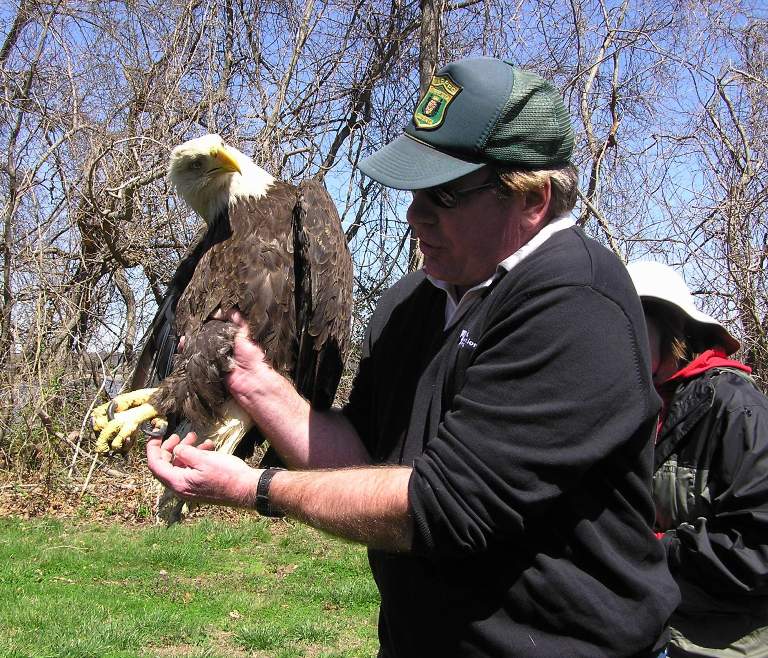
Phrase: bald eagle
(274, 251)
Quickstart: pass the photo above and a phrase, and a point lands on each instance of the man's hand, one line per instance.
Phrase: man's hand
(249, 362)
(327, 440)
(200, 474)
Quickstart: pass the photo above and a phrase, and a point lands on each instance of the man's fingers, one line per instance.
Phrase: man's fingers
(236, 318)
(188, 456)
(232, 315)
(170, 443)
(159, 461)
(155, 450)
(240, 323)
(190, 439)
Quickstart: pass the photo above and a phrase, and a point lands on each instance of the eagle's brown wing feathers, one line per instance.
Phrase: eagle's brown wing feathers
(324, 299)
(155, 360)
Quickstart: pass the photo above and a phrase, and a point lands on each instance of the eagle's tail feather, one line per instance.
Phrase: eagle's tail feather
(228, 435)
(171, 509)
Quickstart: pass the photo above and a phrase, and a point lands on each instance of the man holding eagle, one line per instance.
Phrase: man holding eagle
(495, 453)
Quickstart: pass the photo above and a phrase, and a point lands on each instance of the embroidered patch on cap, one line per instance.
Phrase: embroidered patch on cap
(430, 112)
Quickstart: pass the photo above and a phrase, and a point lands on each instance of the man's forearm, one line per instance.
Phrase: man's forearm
(304, 438)
(367, 505)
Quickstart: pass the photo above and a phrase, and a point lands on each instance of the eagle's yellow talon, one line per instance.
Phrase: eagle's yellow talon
(116, 433)
(159, 426)
(99, 417)
(102, 415)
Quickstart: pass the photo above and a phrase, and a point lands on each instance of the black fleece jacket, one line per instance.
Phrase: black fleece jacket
(711, 494)
(528, 426)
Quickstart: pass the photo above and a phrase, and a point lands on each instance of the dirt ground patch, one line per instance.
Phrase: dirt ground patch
(220, 641)
(117, 491)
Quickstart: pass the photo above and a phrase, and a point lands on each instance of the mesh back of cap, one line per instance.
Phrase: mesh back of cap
(533, 129)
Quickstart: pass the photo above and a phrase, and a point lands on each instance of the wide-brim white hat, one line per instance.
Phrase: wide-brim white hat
(660, 282)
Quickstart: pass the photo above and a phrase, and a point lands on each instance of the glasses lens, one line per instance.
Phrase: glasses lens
(442, 197)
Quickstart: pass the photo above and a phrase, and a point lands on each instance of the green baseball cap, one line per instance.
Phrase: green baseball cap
(476, 112)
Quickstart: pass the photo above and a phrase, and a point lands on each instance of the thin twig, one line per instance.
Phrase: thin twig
(88, 414)
(90, 472)
(603, 223)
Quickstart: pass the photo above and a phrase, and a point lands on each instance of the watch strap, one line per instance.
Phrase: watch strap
(262, 504)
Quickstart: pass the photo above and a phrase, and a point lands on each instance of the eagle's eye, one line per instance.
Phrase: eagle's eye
(196, 165)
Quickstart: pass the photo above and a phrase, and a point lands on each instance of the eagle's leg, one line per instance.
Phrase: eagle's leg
(170, 509)
(116, 434)
(233, 427)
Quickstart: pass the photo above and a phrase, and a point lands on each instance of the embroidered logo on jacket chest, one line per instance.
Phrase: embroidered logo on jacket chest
(465, 341)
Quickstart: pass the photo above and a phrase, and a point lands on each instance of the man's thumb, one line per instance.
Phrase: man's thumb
(186, 455)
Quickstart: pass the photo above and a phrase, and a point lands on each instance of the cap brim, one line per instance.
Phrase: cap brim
(407, 164)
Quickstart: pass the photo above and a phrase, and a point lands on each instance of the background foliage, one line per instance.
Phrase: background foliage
(669, 102)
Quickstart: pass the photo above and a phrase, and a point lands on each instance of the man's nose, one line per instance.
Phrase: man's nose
(421, 210)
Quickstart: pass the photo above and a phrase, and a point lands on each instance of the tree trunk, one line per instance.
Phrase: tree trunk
(429, 49)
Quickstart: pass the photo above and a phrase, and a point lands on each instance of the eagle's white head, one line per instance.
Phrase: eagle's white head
(210, 175)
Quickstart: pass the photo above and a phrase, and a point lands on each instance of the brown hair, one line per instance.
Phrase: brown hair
(676, 339)
(564, 182)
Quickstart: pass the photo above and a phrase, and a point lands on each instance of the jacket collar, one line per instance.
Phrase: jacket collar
(691, 400)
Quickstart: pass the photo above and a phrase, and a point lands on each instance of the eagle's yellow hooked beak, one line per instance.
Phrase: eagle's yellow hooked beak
(225, 159)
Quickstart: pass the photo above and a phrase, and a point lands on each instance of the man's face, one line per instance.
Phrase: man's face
(463, 245)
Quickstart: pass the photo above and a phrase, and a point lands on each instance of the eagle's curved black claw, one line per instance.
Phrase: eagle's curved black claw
(111, 410)
(154, 431)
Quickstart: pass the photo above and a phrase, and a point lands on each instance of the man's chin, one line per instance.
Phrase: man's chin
(431, 269)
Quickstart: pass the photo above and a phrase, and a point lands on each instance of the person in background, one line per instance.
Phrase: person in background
(495, 453)
(710, 484)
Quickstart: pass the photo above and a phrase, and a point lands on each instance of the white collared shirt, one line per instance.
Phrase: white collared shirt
(456, 308)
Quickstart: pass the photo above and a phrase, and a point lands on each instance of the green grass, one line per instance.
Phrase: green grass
(211, 589)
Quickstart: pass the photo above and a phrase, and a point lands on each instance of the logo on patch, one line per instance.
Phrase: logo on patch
(430, 112)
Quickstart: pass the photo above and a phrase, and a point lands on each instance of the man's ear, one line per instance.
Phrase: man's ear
(536, 203)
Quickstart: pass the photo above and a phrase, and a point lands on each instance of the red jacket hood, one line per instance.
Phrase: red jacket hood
(714, 358)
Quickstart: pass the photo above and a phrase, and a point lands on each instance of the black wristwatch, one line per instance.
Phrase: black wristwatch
(262, 504)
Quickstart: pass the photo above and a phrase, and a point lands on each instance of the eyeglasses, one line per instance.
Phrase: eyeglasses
(448, 198)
